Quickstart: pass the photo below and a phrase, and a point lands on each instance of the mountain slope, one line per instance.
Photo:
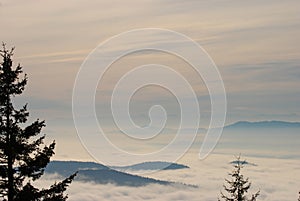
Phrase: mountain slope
(106, 176)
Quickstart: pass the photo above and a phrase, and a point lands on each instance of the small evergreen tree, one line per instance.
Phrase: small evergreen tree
(23, 157)
(238, 186)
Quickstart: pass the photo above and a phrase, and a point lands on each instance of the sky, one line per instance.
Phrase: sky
(255, 46)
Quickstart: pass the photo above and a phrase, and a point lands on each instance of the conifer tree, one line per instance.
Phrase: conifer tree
(23, 155)
(238, 186)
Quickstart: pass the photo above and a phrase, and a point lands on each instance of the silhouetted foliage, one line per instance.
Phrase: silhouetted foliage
(238, 186)
(299, 196)
(23, 155)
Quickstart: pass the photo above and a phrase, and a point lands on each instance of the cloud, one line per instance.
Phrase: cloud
(56, 37)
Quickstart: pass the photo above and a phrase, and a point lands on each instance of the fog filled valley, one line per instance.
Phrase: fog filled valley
(278, 179)
(271, 150)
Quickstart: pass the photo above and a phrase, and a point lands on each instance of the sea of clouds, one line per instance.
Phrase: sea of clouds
(277, 180)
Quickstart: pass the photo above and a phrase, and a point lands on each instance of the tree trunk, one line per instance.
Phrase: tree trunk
(10, 173)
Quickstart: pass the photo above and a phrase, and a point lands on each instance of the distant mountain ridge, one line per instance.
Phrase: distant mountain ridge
(65, 168)
(98, 173)
(264, 124)
(155, 165)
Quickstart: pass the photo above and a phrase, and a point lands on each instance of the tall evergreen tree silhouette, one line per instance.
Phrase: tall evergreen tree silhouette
(23, 154)
(238, 186)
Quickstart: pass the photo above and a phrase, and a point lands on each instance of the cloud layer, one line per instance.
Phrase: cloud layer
(277, 179)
